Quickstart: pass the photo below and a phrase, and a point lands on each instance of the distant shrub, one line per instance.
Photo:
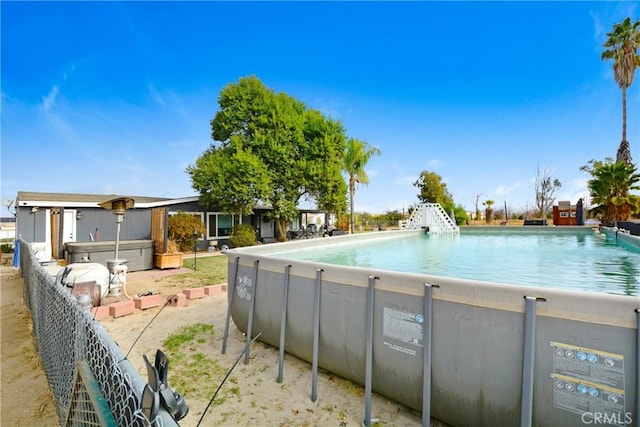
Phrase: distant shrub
(242, 235)
(6, 248)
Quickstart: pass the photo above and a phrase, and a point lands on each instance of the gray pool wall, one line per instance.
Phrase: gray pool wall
(622, 238)
(478, 339)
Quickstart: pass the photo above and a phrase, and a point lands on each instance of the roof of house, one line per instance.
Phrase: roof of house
(26, 198)
(77, 200)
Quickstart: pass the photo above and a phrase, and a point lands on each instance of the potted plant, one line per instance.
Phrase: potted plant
(183, 229)
(172, 258)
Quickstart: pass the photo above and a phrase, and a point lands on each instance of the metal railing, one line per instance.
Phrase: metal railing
(66, 333)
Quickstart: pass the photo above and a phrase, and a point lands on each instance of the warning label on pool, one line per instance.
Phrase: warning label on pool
(587, 380)
(401, 328)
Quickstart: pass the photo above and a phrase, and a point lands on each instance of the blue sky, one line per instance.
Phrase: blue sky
(116, 97)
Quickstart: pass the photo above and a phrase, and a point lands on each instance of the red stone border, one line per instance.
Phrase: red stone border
(126, 307)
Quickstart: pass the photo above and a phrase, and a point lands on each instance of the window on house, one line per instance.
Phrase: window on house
(219, 225)
(564, 214)
(212, 226)
(225, 224)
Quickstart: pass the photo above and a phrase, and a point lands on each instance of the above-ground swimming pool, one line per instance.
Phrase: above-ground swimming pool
(574, 258)
(469, 351)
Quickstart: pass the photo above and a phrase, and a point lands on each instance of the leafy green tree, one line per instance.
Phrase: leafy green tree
(622, 47)
(356, 156)
(270, 148)
(367, 219)
(433, 190)
(611, 191)
(460, 214)
(325, 145)
(230, 179)
(391, 218)
(342, 221)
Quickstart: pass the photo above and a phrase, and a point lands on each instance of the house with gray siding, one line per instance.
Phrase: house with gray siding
(55, 222)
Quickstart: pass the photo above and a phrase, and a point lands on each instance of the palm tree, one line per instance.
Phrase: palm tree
(611, 188)
(356, 157)
(488, 212)
(622, 46)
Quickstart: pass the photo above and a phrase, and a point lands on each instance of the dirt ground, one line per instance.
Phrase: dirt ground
(25, 399)
(251, 396)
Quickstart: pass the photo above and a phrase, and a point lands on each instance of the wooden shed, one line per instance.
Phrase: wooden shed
(564, 213)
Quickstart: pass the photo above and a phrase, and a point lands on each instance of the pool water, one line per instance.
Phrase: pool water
(581, 261)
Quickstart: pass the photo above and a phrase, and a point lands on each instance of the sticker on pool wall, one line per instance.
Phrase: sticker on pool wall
(243, 287)
(588, 381)
(402, 330)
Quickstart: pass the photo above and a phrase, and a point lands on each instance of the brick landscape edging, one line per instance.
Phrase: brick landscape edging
(126, 307)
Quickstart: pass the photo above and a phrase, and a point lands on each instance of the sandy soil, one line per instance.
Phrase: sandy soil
(25, 396)
(251, 396)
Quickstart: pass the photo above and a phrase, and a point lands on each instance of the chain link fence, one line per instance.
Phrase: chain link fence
(66, 333)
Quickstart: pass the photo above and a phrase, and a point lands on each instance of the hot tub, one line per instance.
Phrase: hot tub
(138, 253)
(462, 351)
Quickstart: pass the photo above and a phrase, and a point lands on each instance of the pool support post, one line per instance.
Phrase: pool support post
(427, 310)
(283, 321)
(316, 336)
(231, 289)
(368, 386)
(566, 318)
(251, 309)
(637, 362)
(528, 361)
